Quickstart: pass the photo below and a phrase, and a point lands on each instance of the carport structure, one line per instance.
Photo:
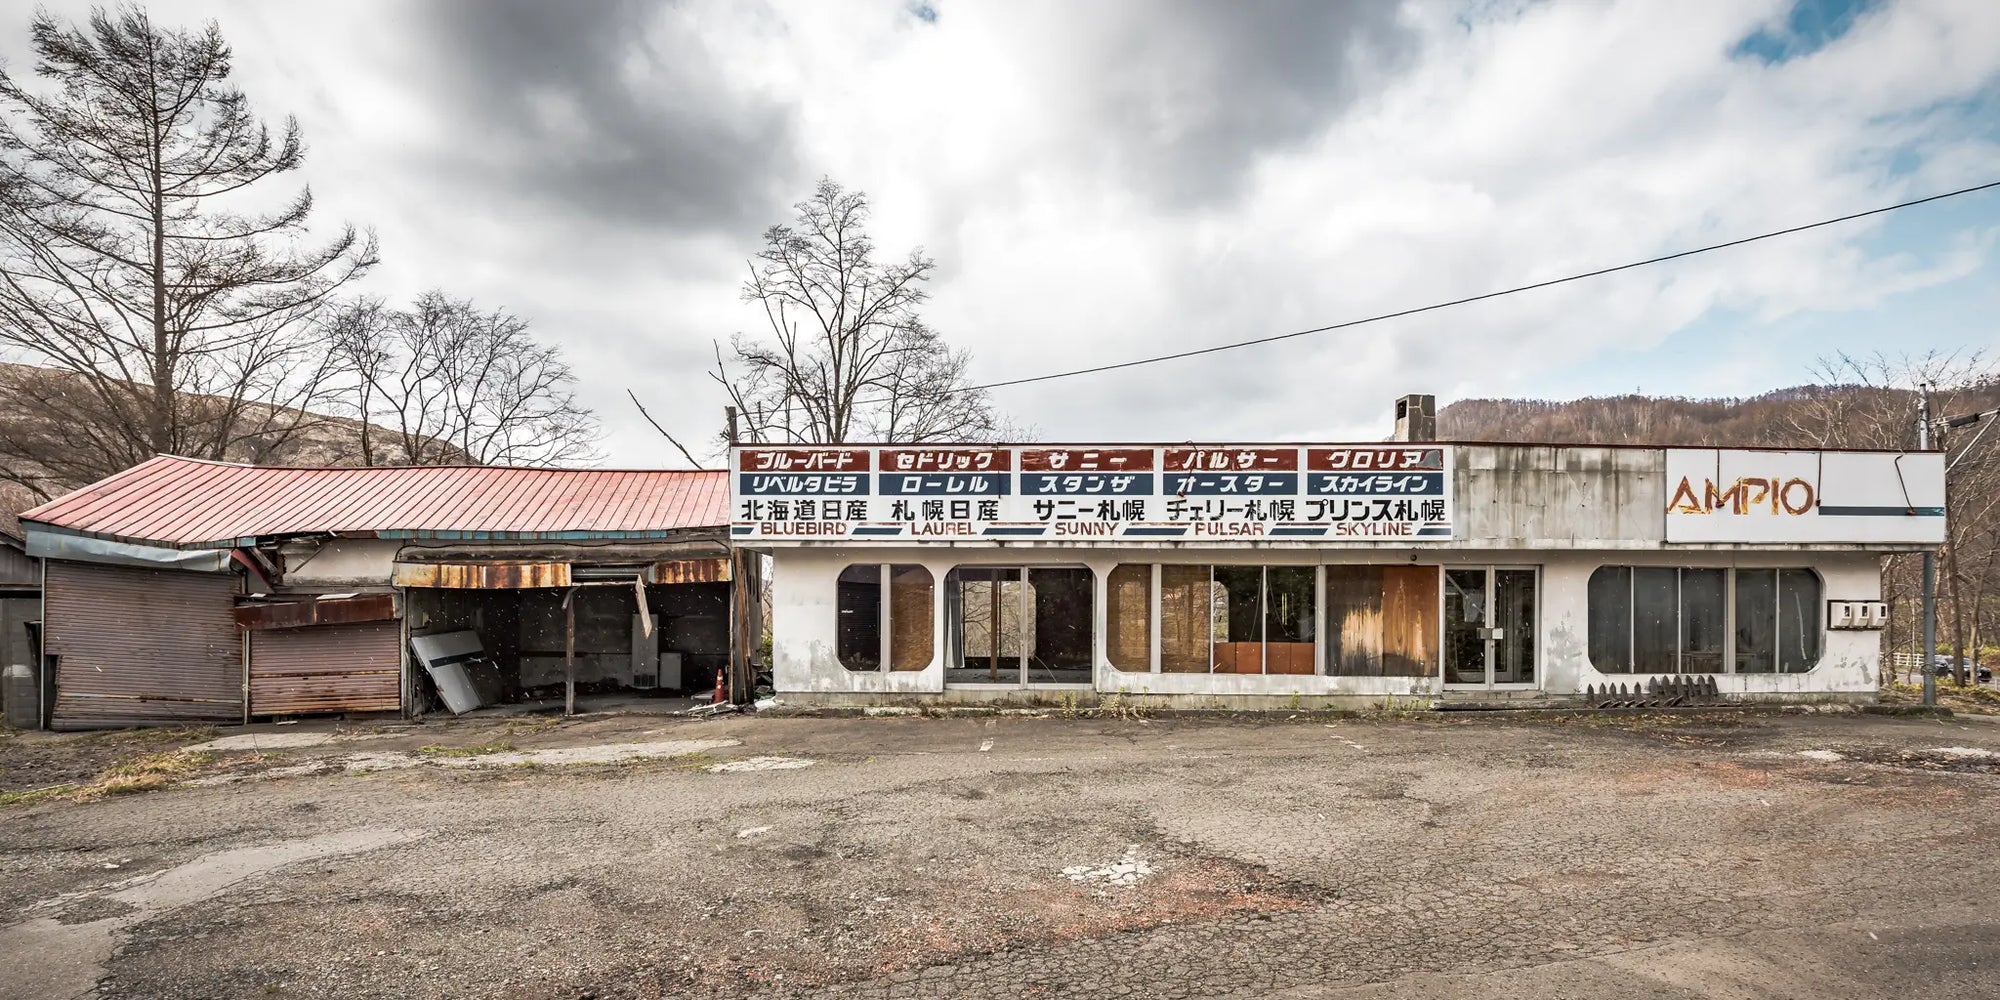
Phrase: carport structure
(183, 590)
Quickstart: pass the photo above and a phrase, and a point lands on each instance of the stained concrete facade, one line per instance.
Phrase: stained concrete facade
(1562, 512)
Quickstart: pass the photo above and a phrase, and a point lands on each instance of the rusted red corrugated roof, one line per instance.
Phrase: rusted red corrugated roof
(193, 503)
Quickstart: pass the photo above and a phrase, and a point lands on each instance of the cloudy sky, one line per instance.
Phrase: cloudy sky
(1107, 180)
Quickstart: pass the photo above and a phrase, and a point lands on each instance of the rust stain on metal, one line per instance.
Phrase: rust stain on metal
(692, 571)
(482, 576)
(321, 611)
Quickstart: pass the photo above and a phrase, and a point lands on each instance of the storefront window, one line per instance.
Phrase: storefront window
(1667, 620)
(1015, 625)
(865, 619)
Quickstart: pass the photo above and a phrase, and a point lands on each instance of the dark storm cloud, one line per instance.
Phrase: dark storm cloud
(680, 148)
(1188, 93)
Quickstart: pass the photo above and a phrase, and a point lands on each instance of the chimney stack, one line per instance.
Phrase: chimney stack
(1416, 418)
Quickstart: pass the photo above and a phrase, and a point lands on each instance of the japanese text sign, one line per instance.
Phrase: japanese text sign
(907, 493)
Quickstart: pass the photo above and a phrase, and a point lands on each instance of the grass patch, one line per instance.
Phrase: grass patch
(141, 774)
(476, 750)
(1974, 698)
(145, 774)
(35, 795)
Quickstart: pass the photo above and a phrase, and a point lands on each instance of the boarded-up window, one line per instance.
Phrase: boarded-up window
(1381, 621)
(865, 619)
(1129, 605)
(912, 635)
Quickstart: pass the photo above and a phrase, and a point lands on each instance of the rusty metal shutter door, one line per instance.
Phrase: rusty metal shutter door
(142, 646)
(326, 668)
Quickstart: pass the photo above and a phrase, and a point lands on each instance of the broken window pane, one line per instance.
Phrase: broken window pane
(1288, 620)
(1238, 620)
(1062, 603)
(858, 605)
(1186, 627)
(1129, 602)
(1798, 620)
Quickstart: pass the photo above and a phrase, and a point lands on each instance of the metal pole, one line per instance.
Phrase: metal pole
(1930, 567)
(569, 652)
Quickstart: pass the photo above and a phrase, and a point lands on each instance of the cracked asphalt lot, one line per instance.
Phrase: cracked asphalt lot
(1658, 856)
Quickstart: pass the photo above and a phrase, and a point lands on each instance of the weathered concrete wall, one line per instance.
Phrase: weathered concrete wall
(1558, 497)
(340, 563)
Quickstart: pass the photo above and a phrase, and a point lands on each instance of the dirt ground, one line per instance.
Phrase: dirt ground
(1656, 856)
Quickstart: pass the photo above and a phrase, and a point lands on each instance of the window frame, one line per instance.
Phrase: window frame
(885, 578)
(1729, 619)
(1156, 597)
(947, 647)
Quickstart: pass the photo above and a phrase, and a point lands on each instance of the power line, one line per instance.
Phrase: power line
(1400, 313)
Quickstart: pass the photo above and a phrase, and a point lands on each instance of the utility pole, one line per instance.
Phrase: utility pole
(1930, 566)
(741, 680)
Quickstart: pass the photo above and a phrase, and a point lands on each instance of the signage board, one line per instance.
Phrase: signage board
(1719, 495)
(1114, 493)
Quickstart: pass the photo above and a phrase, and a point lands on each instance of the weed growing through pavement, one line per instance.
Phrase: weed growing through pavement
(476, 750)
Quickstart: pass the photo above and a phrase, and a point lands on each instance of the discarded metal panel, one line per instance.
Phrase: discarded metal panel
(692, 571)
(449, 658)
(142, 646)
(326, 668)
(482, 576)
(317, 611)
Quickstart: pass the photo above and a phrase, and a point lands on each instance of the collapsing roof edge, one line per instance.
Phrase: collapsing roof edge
(185, 503)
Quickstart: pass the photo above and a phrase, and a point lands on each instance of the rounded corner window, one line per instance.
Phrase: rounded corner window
(884, 617)
(1703, 620)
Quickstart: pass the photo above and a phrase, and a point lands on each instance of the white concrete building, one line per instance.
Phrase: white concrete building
(1302, 575)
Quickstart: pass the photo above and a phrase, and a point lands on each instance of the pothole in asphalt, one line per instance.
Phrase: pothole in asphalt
(1126, 871)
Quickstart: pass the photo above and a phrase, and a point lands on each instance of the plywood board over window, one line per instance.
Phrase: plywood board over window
(1382, 621)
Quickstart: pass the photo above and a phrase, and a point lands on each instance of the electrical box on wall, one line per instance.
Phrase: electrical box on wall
(1857, 614)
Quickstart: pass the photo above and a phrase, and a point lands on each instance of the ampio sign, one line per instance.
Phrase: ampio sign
(1716, 495)
(897, 493)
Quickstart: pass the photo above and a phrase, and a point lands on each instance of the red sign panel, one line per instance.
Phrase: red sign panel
(805, 460)
(1086, 459)
(947, 460)
(1389, 459)
(1231, 460)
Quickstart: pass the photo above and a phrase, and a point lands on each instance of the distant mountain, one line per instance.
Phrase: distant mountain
(59, 419)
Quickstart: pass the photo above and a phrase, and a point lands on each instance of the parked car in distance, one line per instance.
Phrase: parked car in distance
(1942, 666)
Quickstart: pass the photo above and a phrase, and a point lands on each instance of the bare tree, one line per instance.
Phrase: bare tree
(848, 358)
(450, 384)
(1870, 402)
(140, 260)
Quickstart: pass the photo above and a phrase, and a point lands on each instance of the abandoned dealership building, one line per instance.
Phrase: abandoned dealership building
(1410, 572)
(185, 591)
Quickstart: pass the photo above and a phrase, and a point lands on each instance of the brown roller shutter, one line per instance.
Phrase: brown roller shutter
(326, 668)
(142, 646)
